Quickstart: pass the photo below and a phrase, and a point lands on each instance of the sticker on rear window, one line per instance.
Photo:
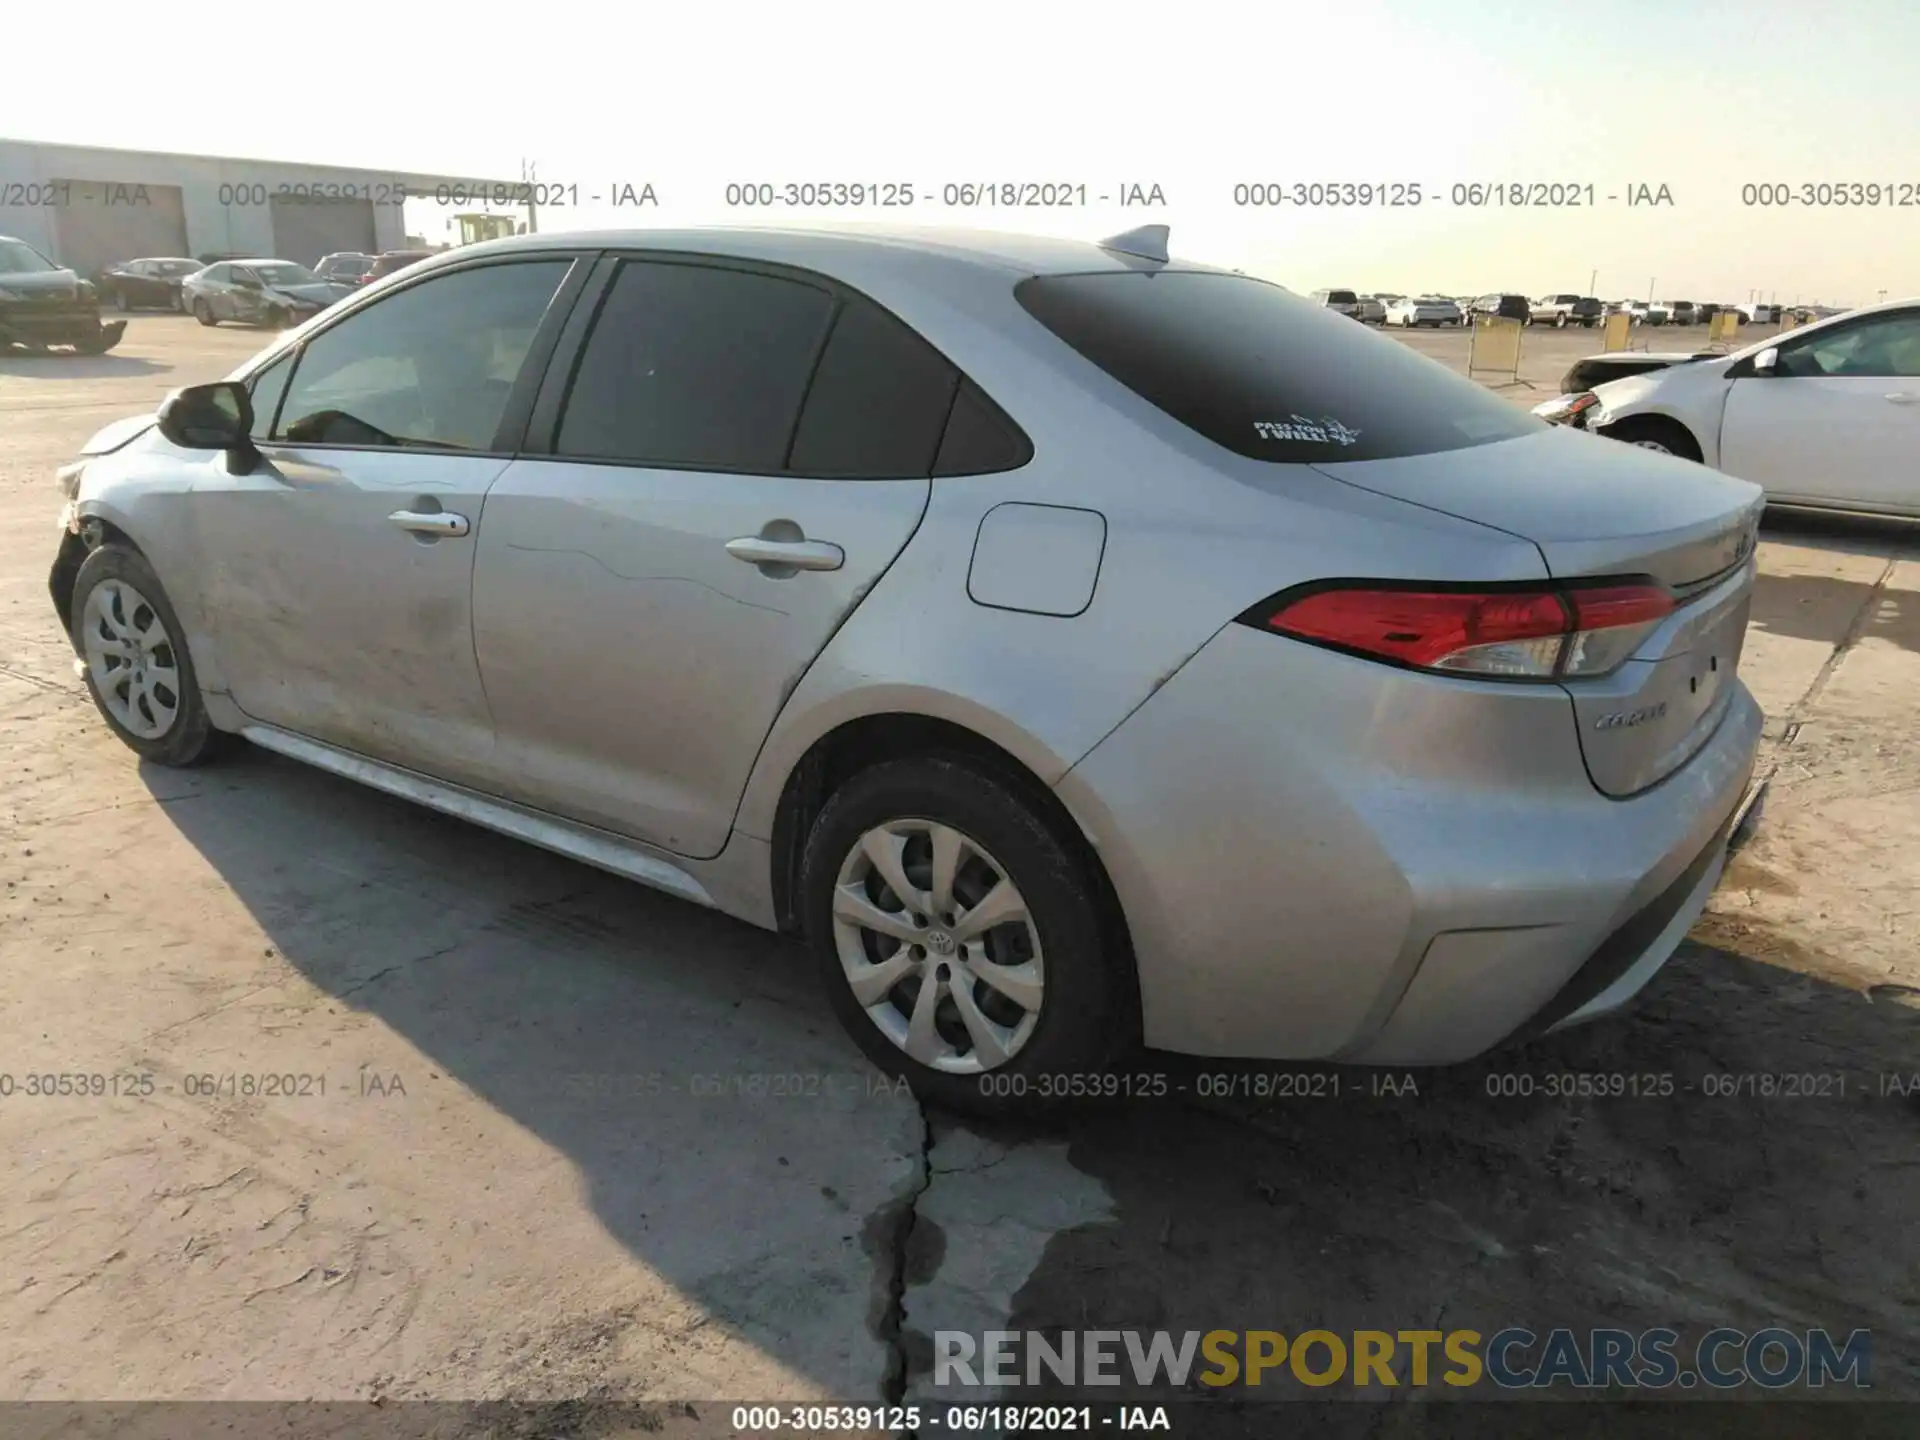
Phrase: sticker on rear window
(1324, 431)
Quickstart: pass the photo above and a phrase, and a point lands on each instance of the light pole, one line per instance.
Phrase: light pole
(1650, 280)
(1592, 281)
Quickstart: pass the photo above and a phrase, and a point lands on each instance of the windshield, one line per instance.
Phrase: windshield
(176, 267)
(1255, 370)
(284, 274)
(19, 258)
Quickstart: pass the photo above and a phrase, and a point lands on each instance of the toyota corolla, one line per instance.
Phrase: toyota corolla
(1076, 646)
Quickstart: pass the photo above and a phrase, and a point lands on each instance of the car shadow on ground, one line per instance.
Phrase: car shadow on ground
(622, 1028)
(1826, 607)
(64, 366)
(1755, 1165)
(1472, 1197)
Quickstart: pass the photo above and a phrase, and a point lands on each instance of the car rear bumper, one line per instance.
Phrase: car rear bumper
(1323, 858)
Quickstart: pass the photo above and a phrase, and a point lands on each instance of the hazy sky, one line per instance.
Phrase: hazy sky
(1702, 96)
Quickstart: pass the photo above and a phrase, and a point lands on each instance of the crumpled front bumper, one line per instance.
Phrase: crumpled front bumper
(29, 325)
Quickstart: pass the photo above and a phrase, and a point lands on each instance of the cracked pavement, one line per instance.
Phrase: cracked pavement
(389, 1106)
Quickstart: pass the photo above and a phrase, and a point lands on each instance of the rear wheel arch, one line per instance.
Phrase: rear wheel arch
(860, 744)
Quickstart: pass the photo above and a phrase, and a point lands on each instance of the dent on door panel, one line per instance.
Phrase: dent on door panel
(1041, 559)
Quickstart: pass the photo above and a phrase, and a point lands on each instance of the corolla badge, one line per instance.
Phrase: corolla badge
(1627, 719)
(1324, 431)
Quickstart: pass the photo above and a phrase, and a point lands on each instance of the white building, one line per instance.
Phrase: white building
(90, 207)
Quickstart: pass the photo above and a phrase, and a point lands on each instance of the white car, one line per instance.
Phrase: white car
(1345, 301)
(1423, 310)
(1827, 415)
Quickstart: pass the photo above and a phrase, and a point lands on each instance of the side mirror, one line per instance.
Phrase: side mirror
(212, 417)
(1767, 362)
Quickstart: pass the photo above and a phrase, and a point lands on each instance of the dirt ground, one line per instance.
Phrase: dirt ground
(555, 1155)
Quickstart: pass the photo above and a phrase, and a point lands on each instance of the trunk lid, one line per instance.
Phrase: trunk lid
(1598, 508)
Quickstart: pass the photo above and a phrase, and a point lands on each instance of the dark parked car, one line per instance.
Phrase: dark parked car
(1508, 307)
(388, 262)
(347, 267)
(1565, 309)
(42, 304)
(147, 284)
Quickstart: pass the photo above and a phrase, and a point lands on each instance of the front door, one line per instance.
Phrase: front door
(337, 577)
(1838, 421)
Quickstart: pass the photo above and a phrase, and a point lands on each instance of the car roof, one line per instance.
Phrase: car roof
(941, 247)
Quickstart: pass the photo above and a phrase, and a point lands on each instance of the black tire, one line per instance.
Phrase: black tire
(1656, 431)
(1085, 1017)
(203, 312)
(191, 739)
(278, 319)
(93, 344)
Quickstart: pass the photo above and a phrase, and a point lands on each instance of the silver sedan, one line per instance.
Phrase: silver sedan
(1076, 646)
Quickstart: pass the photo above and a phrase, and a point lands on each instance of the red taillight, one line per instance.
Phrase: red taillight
(1534, 634)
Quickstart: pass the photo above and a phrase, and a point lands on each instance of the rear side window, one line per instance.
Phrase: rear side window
(1263, 374)
(695, 366)
(878, 403)
(980, 439)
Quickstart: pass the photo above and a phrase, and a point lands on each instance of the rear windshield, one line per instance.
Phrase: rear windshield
(1263, 373)
(1340, 297)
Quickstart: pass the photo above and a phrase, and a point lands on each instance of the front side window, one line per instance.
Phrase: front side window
(1887, 346)
(265, 390)
(1253, 369)
(695, 366)
(433, 365)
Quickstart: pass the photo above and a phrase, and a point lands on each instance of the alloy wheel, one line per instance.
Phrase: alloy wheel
(938, 946)
(131, 659)
(1651, 445)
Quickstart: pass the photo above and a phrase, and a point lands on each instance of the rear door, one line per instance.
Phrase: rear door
(1839, 419)
(733, 458)
(337, 576)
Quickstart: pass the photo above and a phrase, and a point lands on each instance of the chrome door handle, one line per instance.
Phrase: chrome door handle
(1903, 397)
(792, 554)
(430, 522)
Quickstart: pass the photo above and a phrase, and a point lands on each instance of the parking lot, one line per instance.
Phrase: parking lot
(538, 1148)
